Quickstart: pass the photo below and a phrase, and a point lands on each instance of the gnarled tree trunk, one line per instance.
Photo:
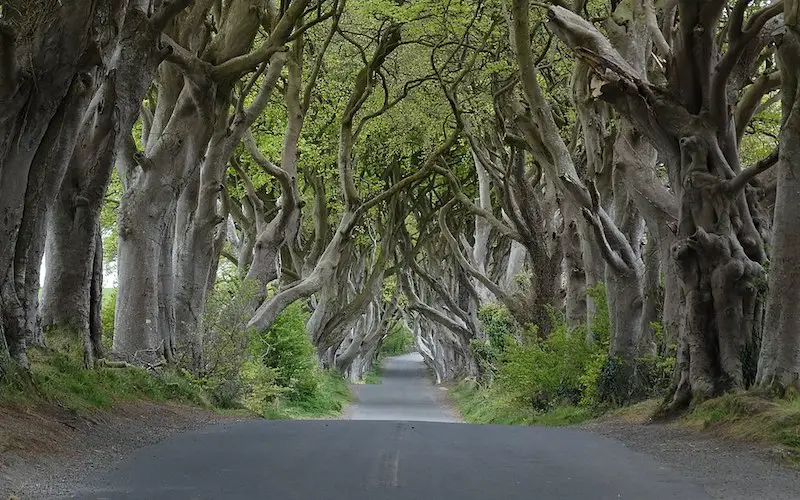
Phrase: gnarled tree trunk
(779, 360)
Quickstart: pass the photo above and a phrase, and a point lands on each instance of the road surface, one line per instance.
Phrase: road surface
(390, 459)
(405, 393)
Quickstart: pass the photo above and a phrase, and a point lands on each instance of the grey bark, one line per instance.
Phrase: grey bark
(19, 289)
(779, 359)
(130, 59)
(196, 252)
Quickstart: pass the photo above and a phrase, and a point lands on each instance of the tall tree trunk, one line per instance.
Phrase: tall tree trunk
(49, 55)
(19, 295)
(145, 218)
(96, 303)
(166, 290)
(136, 319)
(575, 274)
(132, 60)
(779, 360)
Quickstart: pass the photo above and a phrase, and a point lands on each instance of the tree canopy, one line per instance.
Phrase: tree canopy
(397, 164)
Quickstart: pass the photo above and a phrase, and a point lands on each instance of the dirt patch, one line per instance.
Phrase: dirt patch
(45, 452)
(727, 469)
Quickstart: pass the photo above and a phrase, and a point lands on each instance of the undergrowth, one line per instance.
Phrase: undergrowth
(568, 377)
(492, 406)
(373, 376)
(563, 378)
(274, 374)
(328, 400)
(57, 375)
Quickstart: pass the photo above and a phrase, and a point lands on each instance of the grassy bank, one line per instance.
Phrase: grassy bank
(57, 376)
(742, 416)
(491, 406)
(373, 376)
(330, 398)
(287, 383)
(751, 417)
(561, 378)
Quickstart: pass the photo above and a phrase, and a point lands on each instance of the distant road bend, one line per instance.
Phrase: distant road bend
(401, 442)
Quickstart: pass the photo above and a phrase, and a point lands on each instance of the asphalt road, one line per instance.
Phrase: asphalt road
(405, 393)
(386, 459)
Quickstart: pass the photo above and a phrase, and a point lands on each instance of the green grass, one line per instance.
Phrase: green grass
(751, 417)
(638, 413)
(744, 416)
(330, 398)
(490, 406)
(57, 375)
(373, 376)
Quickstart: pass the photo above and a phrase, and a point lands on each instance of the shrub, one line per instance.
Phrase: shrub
(274, 373)
(227, 343)
(564, 377)
(501, 330)
(286, 349)
(547, 372)
(498, 324)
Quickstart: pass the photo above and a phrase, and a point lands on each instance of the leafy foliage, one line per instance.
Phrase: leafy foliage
(107, 315)
(226, 343)
(398, 341)
(544, 373)
(609, 382)
(502, 331)
(274, 373)
(285, 348)
(490, 406)
(565, 377)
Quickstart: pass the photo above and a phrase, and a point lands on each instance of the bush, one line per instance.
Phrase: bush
(501, 331)
(328, 400)
(563, 378)
(274, 373)
(544, 373)
(227, 343)
(613, 381)
(481, 405)
(286, 349)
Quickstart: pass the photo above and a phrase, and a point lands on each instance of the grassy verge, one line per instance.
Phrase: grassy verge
(489, 406)
(57, 375)
(373, 376)
(328, 400)
(742, 416)
(750, 417)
